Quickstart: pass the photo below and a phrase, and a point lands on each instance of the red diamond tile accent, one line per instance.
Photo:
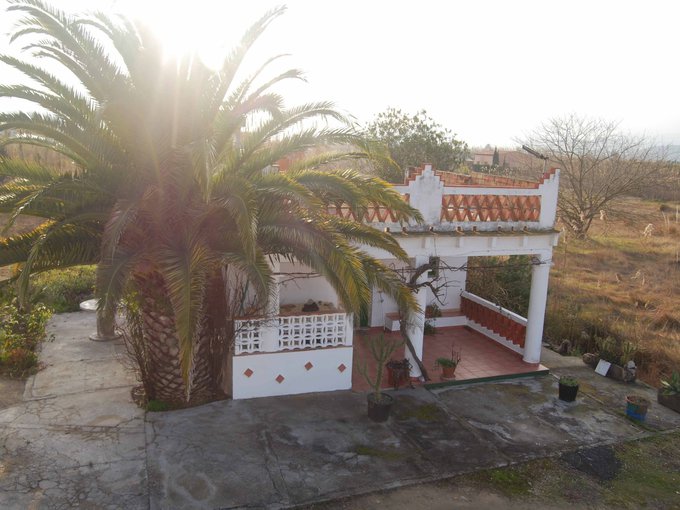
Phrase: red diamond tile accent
(248, 372)
(279, 378)
(309, 365)
(342, 367)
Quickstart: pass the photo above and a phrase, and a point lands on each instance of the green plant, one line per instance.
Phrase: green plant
(380, 348)
(671, 386)
(413, 140)
(432, 310)
(157, 406)
(451, 361)
(628, 350)
(445, 362)
(429, 328)
(64, 289)
(505, 281)
(20, 333)
(607, 349)
(567, 380)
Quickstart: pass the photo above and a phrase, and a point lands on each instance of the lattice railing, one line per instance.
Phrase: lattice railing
(249, 335)
(491, 208)
(294, 332)
(374, 213)
(497, 319)
(312, 331)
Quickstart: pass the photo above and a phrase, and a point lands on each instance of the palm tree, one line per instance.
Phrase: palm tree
(171, 193)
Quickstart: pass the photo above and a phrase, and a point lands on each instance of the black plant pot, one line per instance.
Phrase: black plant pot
(670, 401)
(568, 393)
(379, 410)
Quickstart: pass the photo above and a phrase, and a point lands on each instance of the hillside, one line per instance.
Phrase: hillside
(624, 284)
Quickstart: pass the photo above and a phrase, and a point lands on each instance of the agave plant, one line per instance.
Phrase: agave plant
(672, 385)
(172, 191)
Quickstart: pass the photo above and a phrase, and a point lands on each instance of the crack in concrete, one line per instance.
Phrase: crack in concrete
(273, 466)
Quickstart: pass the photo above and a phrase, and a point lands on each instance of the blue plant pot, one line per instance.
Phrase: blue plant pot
(636, 408)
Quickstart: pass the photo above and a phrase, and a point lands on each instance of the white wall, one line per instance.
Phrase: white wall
(302, 289)
(323, 376)
(383, 304)
(455, 284)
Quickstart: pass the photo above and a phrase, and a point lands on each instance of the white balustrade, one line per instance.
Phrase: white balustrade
(249, 335)
(296, 332)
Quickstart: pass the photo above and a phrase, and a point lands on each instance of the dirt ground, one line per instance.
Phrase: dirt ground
(11, 391)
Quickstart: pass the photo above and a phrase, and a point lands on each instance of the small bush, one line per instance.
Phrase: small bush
(429, 328)
(20, 334)
(63, 290)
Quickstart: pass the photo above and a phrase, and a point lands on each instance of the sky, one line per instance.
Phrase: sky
(489, 71)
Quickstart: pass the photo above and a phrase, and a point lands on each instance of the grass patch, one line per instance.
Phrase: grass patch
(424, 412)
(157, 406)
(513, 481)
(650, 475)
(370, 451)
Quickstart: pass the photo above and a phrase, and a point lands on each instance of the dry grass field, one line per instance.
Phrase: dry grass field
(624, 284)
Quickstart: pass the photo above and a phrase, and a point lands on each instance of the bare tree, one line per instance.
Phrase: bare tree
(599, 164)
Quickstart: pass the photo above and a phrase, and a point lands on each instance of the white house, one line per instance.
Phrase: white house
(295, 351)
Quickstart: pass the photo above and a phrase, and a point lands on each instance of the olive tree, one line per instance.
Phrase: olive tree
(415, 139)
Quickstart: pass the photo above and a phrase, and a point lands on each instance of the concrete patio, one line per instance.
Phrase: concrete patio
(78, 440)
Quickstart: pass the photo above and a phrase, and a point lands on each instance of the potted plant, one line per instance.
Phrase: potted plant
(448, 365)
(669, 393)
(636, 407)
(432, 311)
(398, 372)
(379, 403)
(568, 388)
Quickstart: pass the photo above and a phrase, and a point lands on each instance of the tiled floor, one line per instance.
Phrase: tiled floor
(481, 356)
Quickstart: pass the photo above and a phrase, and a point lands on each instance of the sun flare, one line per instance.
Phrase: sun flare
(203, 27)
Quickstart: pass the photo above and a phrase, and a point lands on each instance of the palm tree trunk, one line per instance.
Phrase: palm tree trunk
(164, 375)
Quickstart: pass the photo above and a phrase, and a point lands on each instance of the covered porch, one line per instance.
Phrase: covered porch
(482, 358)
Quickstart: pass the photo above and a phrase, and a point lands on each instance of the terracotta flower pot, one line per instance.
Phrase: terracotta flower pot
(449, 372)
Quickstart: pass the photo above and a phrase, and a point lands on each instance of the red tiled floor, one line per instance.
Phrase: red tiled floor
(481, 356)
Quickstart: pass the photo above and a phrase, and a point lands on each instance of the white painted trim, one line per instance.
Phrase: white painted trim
(437, 322)
(488, 304)
(495, 337)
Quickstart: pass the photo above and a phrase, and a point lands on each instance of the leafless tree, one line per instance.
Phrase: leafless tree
(599, 164)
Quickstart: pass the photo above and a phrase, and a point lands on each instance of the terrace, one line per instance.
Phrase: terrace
(291, 351)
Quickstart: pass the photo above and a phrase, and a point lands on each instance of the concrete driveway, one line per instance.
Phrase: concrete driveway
(78, 440)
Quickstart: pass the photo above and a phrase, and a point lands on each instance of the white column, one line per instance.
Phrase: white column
(416, 324)
(540, 275)
(269, 333)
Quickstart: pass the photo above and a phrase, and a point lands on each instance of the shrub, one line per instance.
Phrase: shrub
(63, 290)
(505, 281)
(20, 334)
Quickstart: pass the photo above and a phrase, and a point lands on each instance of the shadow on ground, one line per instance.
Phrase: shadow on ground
(76, 439)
